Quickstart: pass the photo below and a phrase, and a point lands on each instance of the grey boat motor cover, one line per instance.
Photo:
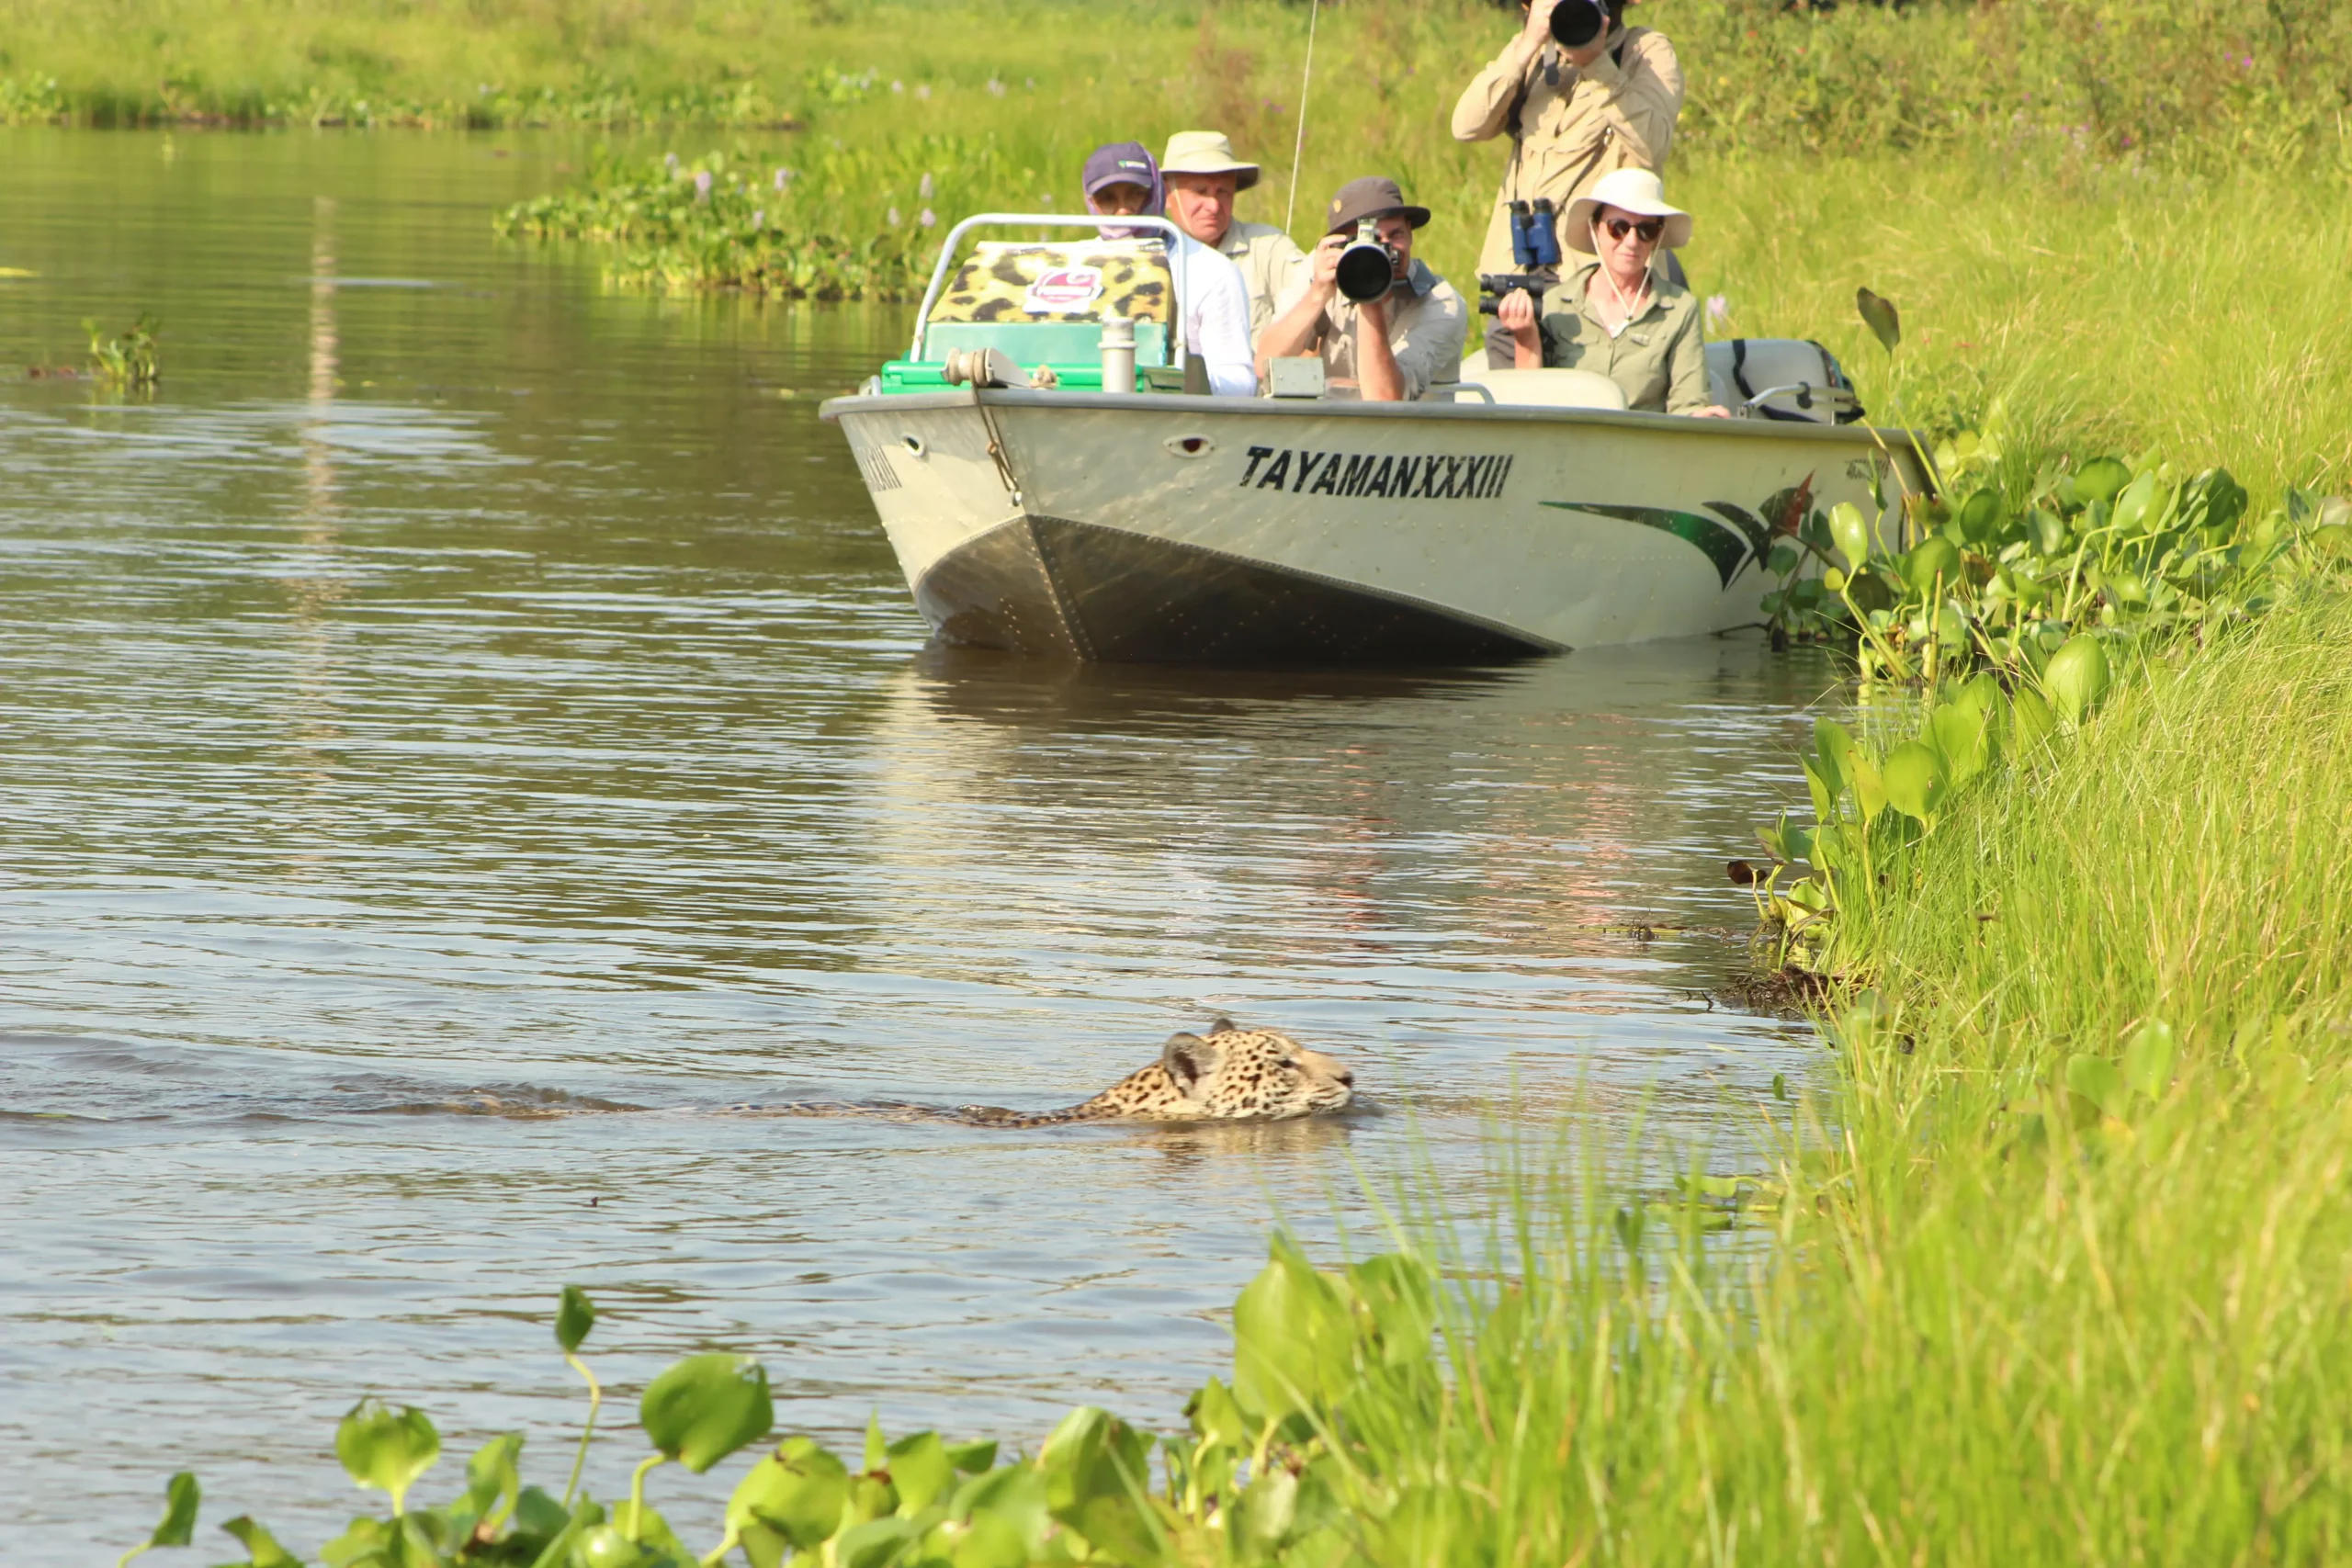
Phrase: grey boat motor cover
(1782, 378)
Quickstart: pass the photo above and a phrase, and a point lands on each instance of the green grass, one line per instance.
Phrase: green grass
(1991, 1325)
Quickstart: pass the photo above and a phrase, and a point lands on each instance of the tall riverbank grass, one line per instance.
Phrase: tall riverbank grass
(2000, 1320)
(2202, 79)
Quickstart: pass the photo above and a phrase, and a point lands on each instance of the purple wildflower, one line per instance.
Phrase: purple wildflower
(702, 184)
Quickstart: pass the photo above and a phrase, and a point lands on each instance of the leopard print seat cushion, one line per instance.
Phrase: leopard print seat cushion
(1012, 281)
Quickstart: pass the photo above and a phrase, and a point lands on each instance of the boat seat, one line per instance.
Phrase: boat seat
(1794, 380)
(1009, 281)
(1543, 389)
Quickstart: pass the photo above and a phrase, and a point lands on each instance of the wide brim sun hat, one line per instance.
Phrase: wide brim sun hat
(1637, 191)
(1206, 153)
(1375, 196)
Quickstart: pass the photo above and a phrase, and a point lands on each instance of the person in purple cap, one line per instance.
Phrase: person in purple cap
(1122, 181)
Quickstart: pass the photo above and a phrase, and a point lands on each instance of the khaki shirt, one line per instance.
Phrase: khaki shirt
(1659, 359)
(1271, 264)
(1426, 322)
(1566, 136)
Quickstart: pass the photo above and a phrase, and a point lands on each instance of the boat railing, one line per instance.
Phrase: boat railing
(939, 272)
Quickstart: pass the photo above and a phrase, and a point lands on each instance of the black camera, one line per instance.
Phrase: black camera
(1366, 268)
(1576, 23)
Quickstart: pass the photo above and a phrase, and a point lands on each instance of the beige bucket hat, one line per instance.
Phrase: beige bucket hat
(1206, 153)
(1637, 191)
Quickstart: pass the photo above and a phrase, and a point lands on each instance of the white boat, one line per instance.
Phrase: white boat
(1157, 526)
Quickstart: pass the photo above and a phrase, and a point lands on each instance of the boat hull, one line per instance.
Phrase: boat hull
(1167, 529)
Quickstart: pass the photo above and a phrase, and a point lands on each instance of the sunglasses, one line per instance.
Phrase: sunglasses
(1649, 229)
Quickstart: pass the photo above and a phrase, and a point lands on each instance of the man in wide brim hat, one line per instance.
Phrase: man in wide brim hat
(1394, 348)
(1204, 177)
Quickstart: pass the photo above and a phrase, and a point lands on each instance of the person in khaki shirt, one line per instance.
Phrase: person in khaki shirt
(1573, 117)
(1615, 314)
(1392, 349)
(1204, 177)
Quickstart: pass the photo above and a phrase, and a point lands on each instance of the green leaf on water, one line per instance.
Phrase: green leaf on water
(1880, 315)
(799, 1490)
(706, 1407)
(1850, 533)
(873, 1543)
(2148, 1057)
(182, 1498)
(1097, 1471)
(494, 1474)
(1870, 785)
(1981, 518)
(1294, 1341)
(1933, 559)
(2031, 723)
(575, 1314)
(262, 1549)
(2135, 504)
(2096, 1080)
(921, 1470)
(2076, 678)
(1914, 782)
(1959, 735)
(972, 1458)
(387, 1449)
(877, 1448)
(1215, 1417)
(1012, 1502)
(2101, 479)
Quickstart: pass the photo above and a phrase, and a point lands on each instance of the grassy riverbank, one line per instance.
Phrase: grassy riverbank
(2201, 78)
(2019, 1308)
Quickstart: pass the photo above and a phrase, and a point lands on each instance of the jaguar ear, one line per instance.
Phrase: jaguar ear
(1187, 1058)
(1222, 1025)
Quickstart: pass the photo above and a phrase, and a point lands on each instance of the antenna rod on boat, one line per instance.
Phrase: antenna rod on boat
(1298, 148)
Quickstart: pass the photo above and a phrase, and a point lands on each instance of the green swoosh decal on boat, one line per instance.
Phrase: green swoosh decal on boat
(1718, 541)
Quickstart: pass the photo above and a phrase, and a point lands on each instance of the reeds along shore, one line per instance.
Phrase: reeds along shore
(2056, 1272)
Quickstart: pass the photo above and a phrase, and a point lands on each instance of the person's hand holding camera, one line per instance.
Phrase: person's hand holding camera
(1516, 314)
(1323, 274)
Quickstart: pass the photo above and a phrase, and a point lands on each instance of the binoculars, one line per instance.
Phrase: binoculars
(1534, 242)
(1367, 267)
(1494, 285)
(1576, 23)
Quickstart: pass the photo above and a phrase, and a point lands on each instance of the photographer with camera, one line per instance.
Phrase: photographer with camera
(1385, 325)
(1581, 95)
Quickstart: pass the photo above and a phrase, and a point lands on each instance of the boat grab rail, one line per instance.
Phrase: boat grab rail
(1057, 221)
(1806, 391)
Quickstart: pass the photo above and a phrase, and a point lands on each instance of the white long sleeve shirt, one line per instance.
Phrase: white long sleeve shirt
(1216, 317)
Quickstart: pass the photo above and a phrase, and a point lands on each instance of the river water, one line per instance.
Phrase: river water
(465, 731)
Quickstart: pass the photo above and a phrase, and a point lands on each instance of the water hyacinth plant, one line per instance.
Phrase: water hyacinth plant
(738, 220)
(2017, 623)
(1260, 1476)
(126, 360)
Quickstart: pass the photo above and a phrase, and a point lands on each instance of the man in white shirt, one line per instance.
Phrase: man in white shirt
(1122, 181)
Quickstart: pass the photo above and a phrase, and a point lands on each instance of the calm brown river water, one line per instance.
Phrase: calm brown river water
(459, 676)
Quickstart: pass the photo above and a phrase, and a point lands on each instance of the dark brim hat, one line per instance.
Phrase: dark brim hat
(1375, 196)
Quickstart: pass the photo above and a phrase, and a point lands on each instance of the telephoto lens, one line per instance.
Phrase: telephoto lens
(1366, 268)
(1576, 23)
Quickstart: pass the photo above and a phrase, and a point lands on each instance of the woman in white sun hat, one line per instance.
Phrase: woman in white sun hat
(1618, 313)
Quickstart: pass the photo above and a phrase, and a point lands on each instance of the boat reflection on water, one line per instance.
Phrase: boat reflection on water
(1499, 882)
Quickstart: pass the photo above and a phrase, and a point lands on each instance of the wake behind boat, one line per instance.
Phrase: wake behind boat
(1033, 511)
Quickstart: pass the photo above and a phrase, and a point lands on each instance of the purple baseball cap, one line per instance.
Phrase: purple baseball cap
(1123, 162)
